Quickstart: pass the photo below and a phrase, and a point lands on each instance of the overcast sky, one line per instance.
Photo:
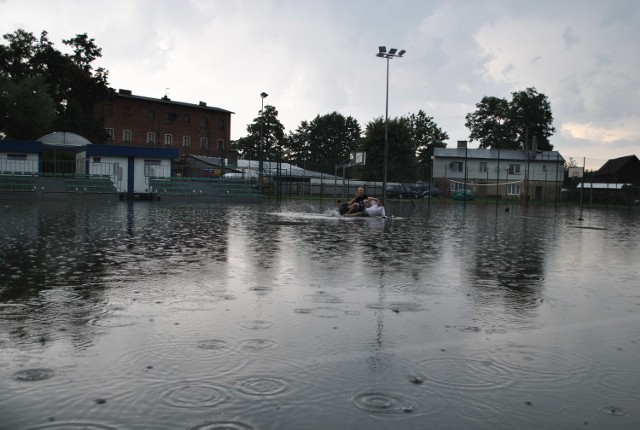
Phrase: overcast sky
(314, 57)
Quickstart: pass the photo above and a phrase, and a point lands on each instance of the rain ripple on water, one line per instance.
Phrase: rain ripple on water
(32, 375)
(195, 394)
(262, 386)
(465, 373)
(535, 364)
(223, 425)
(388, 404)
(73, 426)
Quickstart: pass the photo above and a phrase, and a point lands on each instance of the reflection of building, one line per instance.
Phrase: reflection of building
(145, 121)
(534, 175)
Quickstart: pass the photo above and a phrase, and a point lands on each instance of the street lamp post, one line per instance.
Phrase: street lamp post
(382, 53)
(262, 96)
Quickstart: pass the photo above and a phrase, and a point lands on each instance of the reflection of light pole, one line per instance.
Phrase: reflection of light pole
(433, 161)
(221, 151)
(544, 198)
(262, 95)
(382, 53)
(506, 182)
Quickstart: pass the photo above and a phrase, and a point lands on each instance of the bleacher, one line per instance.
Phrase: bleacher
(228, 188)
(171, 187)
(91, 184)
(17, 183)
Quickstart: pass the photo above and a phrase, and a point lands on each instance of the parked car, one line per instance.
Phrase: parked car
(464, 194)
(401, 192)
(428, 191)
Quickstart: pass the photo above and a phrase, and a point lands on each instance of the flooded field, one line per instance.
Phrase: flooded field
(151, 315)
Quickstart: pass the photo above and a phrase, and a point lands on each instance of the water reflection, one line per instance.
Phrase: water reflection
(207, 316)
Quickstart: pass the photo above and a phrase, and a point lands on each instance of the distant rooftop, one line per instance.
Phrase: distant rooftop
(165, 99)
(64, 138)
(268, 166)
(494, 154)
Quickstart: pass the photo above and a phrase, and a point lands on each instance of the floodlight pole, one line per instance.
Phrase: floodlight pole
(262, 96)
(383, 53)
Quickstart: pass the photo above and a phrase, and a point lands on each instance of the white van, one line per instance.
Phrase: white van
(241, 175)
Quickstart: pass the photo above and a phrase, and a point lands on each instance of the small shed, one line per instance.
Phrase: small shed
(20, 157)
(130, 167)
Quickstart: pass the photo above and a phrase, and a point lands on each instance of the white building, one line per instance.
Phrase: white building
(504, 173)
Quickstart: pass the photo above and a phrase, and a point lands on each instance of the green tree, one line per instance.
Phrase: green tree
(402, 163)
(324, 142)
(300, 145)
(490, 125)
(501, 124)
(74, 86)
(273, 137)
(27, 108)
(530, 116)
(426, 135)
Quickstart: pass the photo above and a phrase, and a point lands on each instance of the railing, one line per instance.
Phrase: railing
(23, 167)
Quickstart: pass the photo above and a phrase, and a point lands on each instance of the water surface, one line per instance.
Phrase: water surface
(283, 316)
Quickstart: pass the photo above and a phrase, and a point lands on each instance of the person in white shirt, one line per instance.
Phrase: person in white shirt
(372, 207)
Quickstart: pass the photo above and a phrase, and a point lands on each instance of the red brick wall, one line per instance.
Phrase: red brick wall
(141, 115)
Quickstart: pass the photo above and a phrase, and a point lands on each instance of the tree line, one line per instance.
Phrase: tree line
(44, 90)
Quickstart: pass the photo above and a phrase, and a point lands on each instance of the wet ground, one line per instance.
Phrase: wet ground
(177, 316)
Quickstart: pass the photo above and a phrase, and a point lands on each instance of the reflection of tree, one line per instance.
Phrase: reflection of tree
(508, 266)
(59, 260)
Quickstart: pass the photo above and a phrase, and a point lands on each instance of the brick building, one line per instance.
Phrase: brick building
(144, 121)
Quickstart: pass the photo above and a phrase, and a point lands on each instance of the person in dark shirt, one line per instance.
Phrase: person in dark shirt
(356, 204)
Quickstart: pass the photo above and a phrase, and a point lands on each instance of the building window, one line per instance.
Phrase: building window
(171, 116)
(151, 138)
(187, 119)
(222, 123)
(186, 141)
(152, 168)
(96, 159)
(456, 166)
(455, 186)
(483, 167)
(168, 139)
(110, 134)
(16, 156)
(126, 113)
(204, 122)
(204, 142)
(513, 189)
(514, 169)
(151, 115)
(126, 136)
